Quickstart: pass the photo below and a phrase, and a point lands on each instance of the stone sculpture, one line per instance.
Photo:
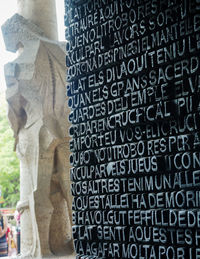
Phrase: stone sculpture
(38, 116)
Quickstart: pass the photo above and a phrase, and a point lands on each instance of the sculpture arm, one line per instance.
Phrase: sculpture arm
(22, 205)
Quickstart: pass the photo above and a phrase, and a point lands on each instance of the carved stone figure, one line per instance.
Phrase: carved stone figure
(38, 116)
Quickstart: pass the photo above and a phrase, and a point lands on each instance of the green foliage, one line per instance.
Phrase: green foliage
(9, 163)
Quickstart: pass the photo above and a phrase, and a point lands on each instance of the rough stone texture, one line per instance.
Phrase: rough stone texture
(42, 13)
(38, 116)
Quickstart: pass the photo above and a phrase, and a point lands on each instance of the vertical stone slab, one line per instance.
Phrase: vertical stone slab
(133, 86)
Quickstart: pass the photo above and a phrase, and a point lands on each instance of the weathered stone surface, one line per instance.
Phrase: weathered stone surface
(38, 116)
(42, 13)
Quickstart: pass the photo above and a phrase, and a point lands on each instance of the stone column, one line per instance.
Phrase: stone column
(38, 116)
(42, 13)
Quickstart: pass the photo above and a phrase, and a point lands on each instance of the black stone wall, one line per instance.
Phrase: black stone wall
(133, 86)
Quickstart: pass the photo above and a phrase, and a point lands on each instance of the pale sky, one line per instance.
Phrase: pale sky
(7, 9)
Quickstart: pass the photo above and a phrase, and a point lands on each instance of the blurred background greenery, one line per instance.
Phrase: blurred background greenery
(9, 163)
